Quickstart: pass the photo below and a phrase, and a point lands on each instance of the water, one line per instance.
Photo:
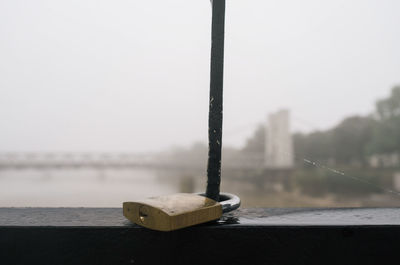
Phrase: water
(80, 188)
(110, 187)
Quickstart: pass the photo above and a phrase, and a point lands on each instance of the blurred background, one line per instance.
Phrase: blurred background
(107, 101)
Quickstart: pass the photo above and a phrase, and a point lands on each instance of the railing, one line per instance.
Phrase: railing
(247, 236)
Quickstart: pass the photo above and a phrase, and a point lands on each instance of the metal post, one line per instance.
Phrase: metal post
(215, 104)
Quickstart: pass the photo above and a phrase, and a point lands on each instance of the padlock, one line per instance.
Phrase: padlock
(167, 213)
(172, 212)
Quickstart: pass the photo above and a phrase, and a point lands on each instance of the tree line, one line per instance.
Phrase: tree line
(352, 141)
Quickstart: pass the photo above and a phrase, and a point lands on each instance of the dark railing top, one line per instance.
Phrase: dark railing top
(112, 217)
(247, 236)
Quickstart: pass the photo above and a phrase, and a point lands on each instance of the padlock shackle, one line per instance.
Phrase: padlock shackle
(228, 201)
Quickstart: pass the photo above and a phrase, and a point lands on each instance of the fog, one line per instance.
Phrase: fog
(134, 75)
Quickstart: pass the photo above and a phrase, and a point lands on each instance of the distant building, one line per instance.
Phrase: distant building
(396, 181)
(384, 160)
(279, 144)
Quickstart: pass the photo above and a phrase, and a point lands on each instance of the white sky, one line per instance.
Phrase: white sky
(134, 75)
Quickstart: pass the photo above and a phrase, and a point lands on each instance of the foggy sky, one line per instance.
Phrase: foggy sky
(134, 75)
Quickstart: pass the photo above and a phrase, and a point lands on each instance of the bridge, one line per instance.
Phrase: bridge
(17, 161)
(163, 161)
(278, 154)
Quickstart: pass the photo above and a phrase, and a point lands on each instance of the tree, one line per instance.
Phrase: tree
(350, 139)
(256, 143)
(386, 135)
(314, 146)
(390, 107)
(344, 143)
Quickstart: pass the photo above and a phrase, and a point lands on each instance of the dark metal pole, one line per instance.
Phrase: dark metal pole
(215, 108)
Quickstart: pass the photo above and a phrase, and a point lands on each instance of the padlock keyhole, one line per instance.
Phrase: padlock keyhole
(143, 214)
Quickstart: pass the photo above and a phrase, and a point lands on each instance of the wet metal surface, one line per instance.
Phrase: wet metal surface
(246, 236)
(112, 217)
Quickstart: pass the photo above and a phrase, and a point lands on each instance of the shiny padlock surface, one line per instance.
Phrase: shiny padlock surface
(172, 212)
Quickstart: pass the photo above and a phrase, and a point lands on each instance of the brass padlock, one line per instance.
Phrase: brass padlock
(177, 211)
(172, 212)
